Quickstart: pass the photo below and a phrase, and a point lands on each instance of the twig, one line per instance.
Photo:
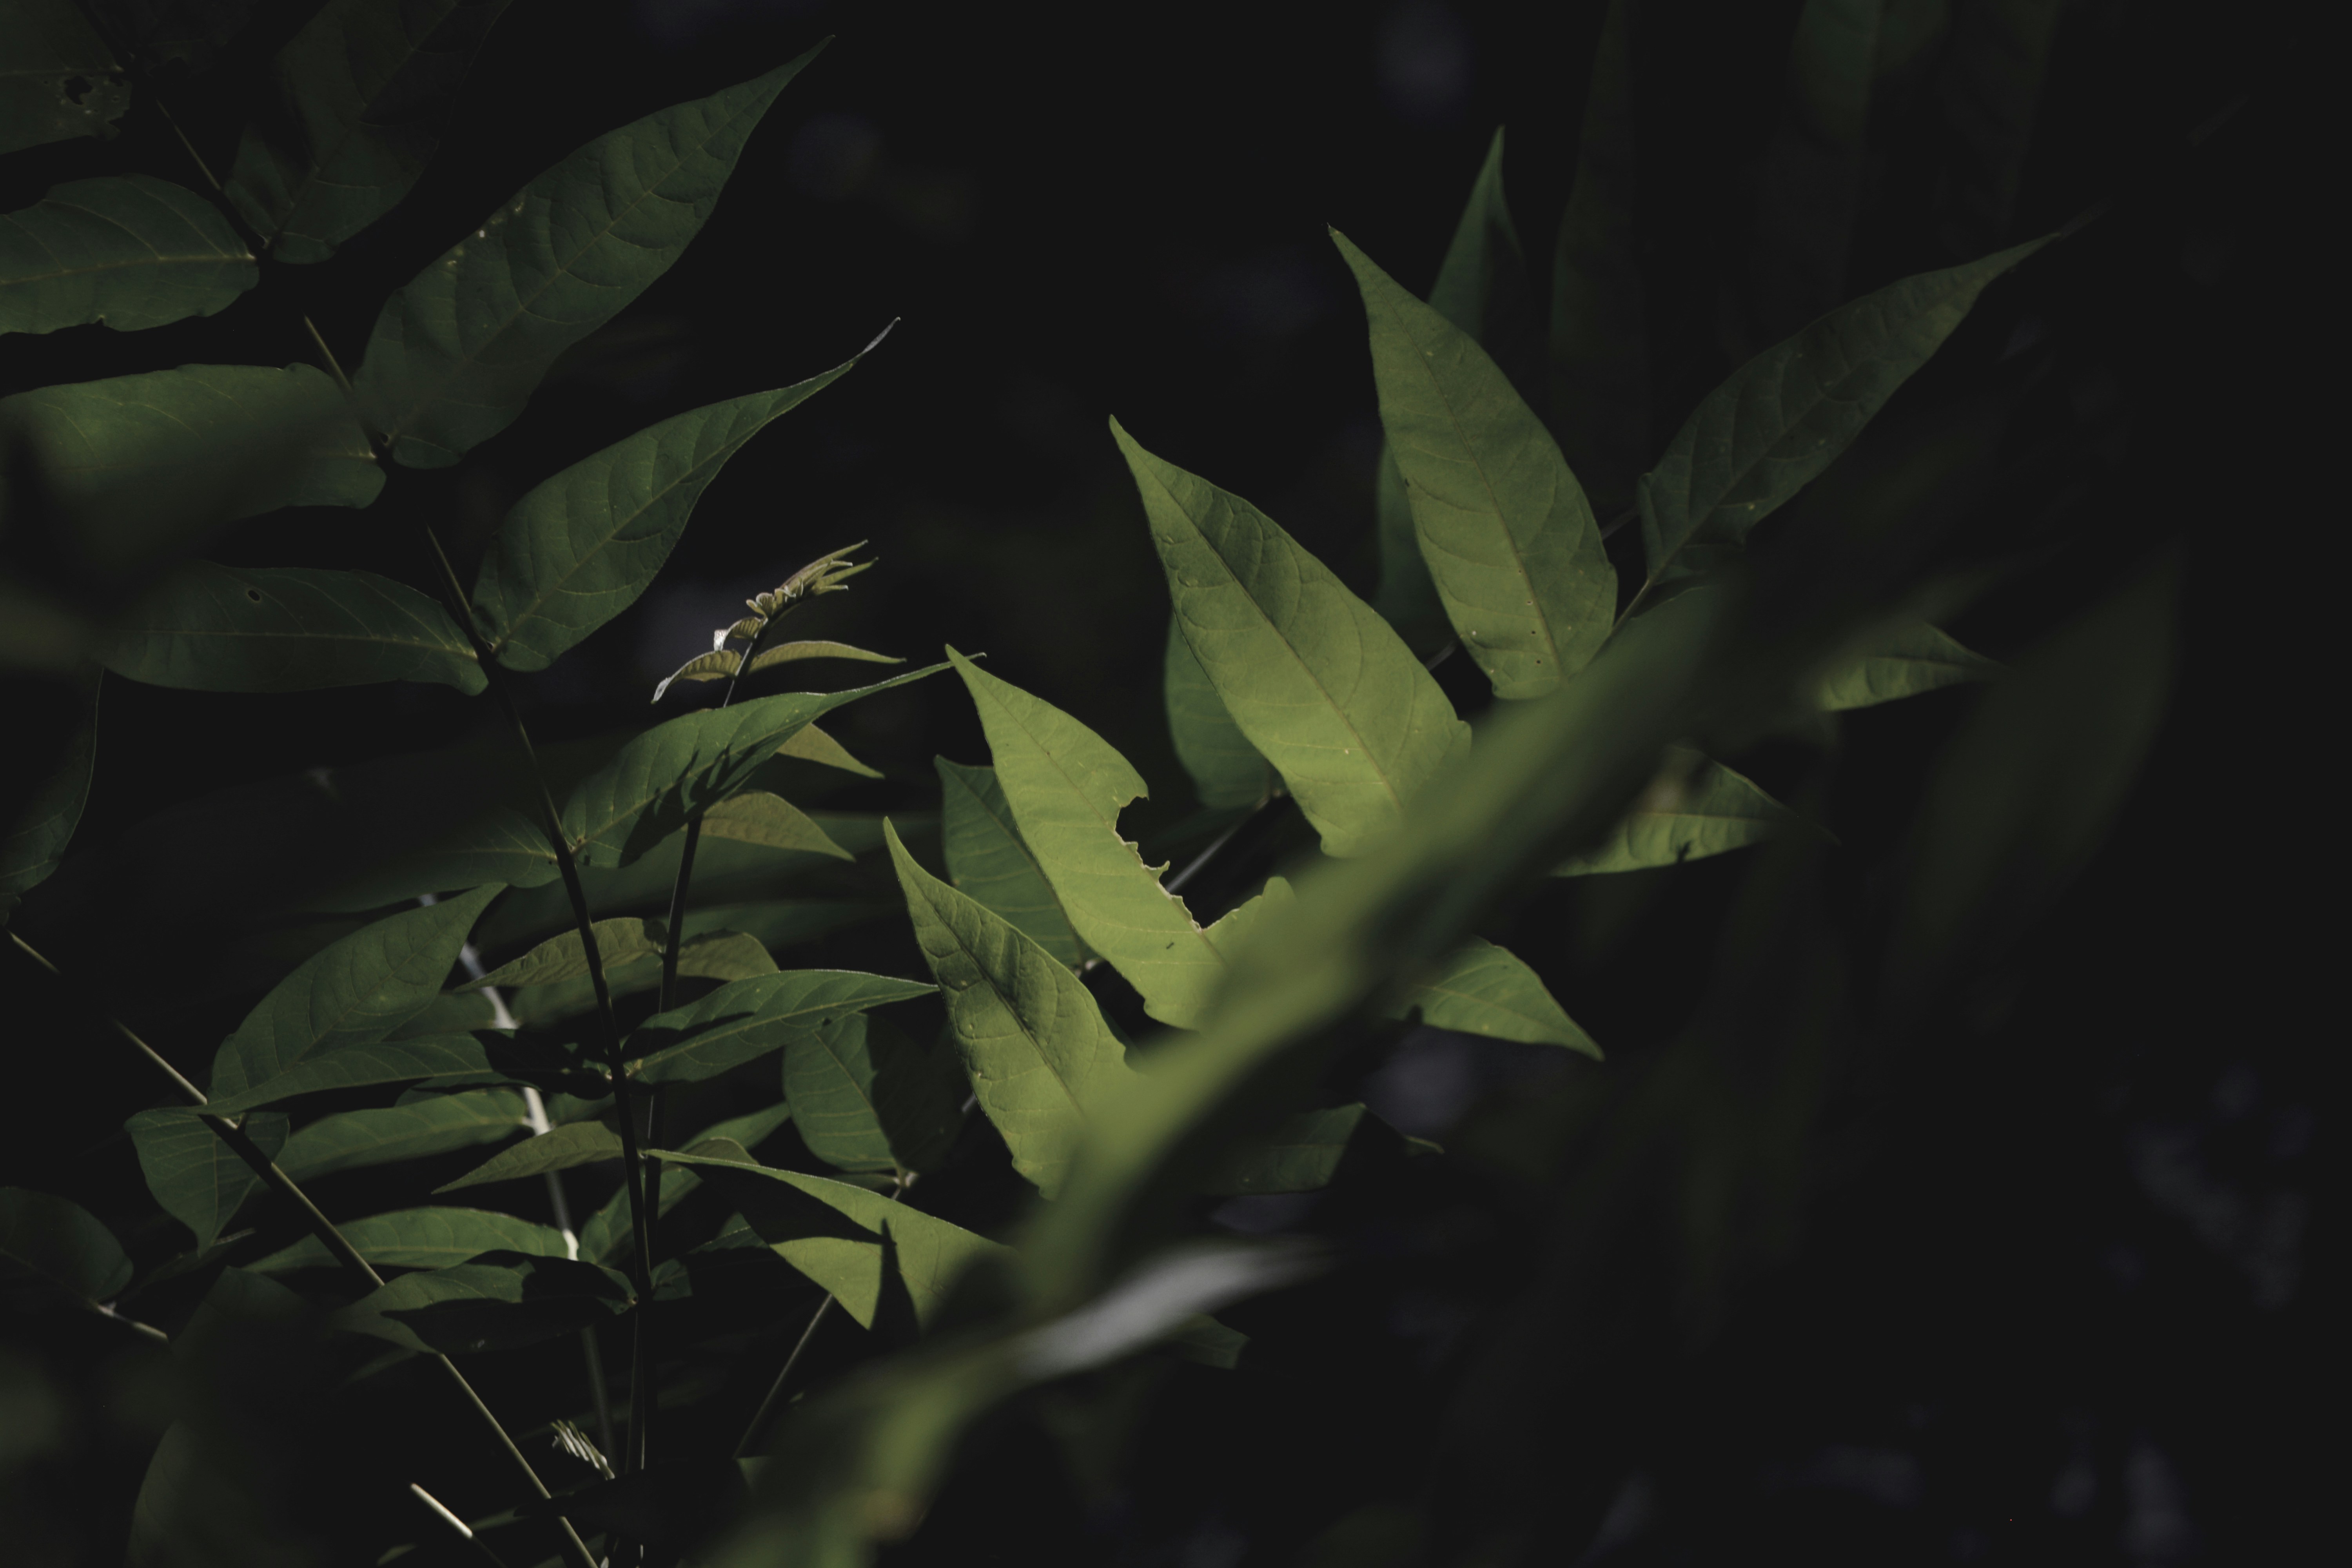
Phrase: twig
(454, 1522)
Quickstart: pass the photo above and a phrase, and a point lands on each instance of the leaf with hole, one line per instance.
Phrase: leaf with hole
(363, 92)
(421, 1238)
(456, 354)
(59, 80)
(131, 251)
(1311, 674)
(208, 627)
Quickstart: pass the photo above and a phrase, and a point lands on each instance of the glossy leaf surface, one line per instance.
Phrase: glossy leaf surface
(1315, 679)
(988, 860)
(131, 251)
(208, 627)
(1226, 769)
(1694, 808)
(458, 353)
(421, 1238)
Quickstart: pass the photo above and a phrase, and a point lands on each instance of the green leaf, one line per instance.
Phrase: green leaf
(61, 1242)
(200, 1181)
(838, 1235)
(1694, 808)
(691, 763)
(58, 78)
(36, 845)
(988, 861)
(1301, 1154)
(564, 957)
(146, 461)
(746, 1019)
(458, 353)
(1226, 769)
(364, 1067)
(608, 1237)
(365, 90)
(1313, 677)
(793, 652)
(1900, 661)
(352, 992)
(132, 251)
(422, 1238)
(1065, 786)
(1600, 349)
(1481, 989)
(574, 1144)
(208, 627)
(1508, 536)
(1033, 1043)
(498, 1301)
(756, 816)
(813, 746)
(580, 547)
(1786, 414)
(866, 1098)
(354, 1140)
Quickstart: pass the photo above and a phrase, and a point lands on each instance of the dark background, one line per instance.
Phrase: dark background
(2065, 1310)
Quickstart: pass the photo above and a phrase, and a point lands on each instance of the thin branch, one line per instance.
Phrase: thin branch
(454, 1522)
(333, 366)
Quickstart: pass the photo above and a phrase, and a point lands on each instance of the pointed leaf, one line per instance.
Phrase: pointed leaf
(132, 251)
(747, 1019)
(1900, 662)
(353, 1140)
(36, 845)
(866, 1098)
(1301, 1154)
(1786, 414)
(788, 652)
(58, 78)
(208, 627)
(363, 1066)
(835, 1233)
(1600, 349)
(366, 88)
(575, 1143)
(648, 790)
(580, 547)
(1226, 769)
(813, 746)
(565, 957)
(715, 665)
(458, 353)
(200, 1181)
(421, 1238)
(1694, 808)
(1315, 679)
(498, 1301)
(354, 993)
(1510, 541)
(608, 1237)
(1481, 989)
(988, 860)
(756, 816)
(63, 1243)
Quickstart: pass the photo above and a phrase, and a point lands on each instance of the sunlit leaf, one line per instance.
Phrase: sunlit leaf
(200, 1181)
(131, 251)
(58, 78)
(1481, 989)
(988, 861)
(421, 1238)
(575, 1143)
(1694, 808)
(496, 1302)
(208, 627)
(1312, 675)
(458, 353)
(1034, 1042)
(1901, 661)
(813, 746)
(756, 816)
(61, 1242)
(580, 547)
(353, 1140)
(1786, 414)
(1510, 541)
(746, 1019)
(793, 652)
(866, 1098)
(37, 844)
(365, 90)
(1226, 769)
(1600, 349)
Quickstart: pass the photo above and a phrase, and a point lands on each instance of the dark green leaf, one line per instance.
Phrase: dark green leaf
(365, 90)
(1226, 769)
(746, 1019)
(866, 1098)
(1694, 808)
(755, 817)
(1810, 174)
(132, 251)
(286, 628)
(580, 547)
(988, 861)
(1897, 662)
(1316, 680)
(607, 1238)
(422, 1238)
(1034, 1045)
(37, 844)
(458, 353)
(498, 1301)
(1786, 414)
(813, 746)
(1510, 541)
(565, 957)
(1301, 1154)
(1481, 989)
(576, 1143)
(200, 1181)
(1991, 92)
(58, 78)
(352, 1140)
(61, 1241)
(1600, 352)
(364, 1067)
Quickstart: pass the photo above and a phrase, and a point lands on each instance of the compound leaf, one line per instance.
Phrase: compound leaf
(131, 251)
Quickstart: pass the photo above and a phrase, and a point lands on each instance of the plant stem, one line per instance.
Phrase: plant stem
(335, 1242)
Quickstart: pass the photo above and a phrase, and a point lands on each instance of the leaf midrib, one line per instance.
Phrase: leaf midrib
(1013, 835)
